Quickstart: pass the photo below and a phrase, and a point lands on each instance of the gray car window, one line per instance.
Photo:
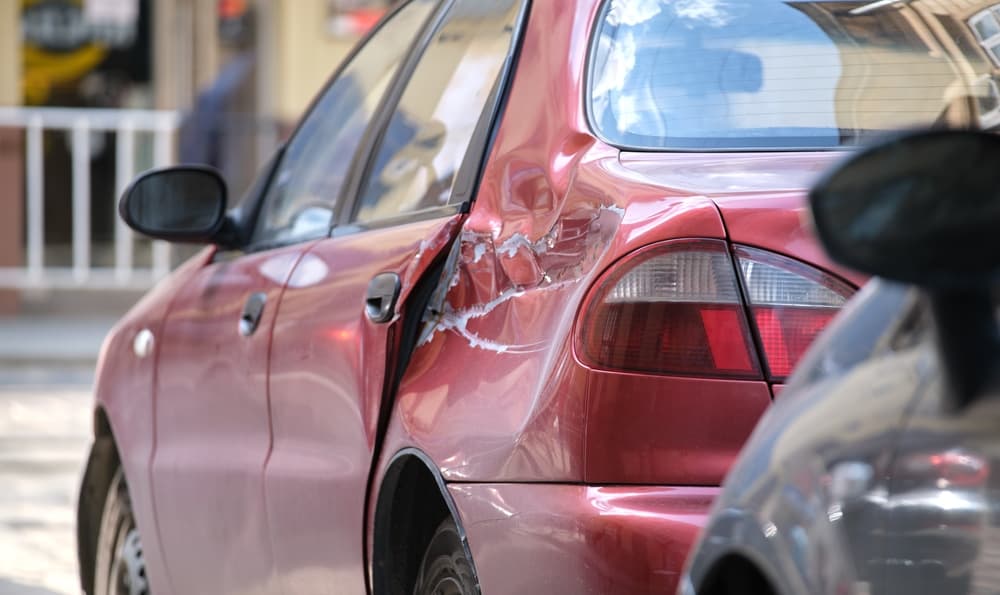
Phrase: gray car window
(429, 133)
(300, 202)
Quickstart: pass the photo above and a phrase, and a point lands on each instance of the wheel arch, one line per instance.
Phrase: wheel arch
(412, 501)
(102, 462)
(737, 573)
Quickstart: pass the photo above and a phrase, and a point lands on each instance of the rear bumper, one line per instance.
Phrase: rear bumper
(546, 538)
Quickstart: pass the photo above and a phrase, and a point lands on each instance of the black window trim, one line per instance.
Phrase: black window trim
(243, 218)
(585, 96)
(470, 173)
(466, 182)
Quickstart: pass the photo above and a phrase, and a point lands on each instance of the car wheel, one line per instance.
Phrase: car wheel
(119, 568)
(446, 569)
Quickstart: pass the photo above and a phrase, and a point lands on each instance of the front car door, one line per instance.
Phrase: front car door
(212, 434)
(338, 330)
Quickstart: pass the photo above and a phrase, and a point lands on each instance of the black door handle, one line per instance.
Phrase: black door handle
(252, 312)
(380, 301)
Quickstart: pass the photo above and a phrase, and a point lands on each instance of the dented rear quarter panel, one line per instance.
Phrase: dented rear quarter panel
(495, 393)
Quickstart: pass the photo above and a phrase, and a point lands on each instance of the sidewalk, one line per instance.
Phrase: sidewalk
(45, 419)
(52, 340)
(46, 374)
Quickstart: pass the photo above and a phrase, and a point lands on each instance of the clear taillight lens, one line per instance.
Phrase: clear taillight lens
(790, 303)
(678, 308)
(672, 309)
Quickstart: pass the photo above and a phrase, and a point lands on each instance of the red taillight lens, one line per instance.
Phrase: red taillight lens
(790, 303)
(678, 308)
(671, 309)
(952, 468)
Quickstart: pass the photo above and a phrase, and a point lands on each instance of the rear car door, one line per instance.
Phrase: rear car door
(212, 420)
(347, 303)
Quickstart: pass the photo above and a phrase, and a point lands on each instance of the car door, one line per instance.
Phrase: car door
(944, 531)
(211, 430)
(342, 314)
(212, 421)
(874, 527)
(819, 468)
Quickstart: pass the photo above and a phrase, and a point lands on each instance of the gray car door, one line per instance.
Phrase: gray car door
(944, 533)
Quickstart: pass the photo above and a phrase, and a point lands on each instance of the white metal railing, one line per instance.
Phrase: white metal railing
(79, 124)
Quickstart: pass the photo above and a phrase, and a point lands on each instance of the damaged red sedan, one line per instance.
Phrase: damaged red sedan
(502, 311)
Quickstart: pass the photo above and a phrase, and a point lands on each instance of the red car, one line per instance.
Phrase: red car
(501, 313)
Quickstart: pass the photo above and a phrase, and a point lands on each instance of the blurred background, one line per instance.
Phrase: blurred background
(91, 93)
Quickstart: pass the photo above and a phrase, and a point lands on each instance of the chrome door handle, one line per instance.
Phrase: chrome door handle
(252, 311)
(380, 300)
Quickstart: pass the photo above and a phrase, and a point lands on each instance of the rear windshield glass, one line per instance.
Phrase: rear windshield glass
(768, 74)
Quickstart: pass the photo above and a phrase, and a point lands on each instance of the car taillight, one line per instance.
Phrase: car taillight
(672, 309)
(790, 303)
(678, 308)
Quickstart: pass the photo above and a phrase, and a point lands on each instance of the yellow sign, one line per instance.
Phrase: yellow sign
(59, 47)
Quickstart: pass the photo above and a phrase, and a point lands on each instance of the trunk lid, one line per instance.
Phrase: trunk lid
(761, 196)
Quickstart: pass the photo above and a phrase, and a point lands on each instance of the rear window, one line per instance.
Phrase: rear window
(768, 74)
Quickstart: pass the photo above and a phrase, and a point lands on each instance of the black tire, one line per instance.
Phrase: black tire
(446, 569)
(119, 567)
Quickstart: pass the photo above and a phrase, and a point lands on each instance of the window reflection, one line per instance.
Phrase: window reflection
(301, 199)
(429, 133)
(786, 74)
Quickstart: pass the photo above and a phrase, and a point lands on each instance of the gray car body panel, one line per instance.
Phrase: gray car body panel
(862, 478)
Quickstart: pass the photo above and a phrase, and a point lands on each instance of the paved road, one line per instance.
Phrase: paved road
(44, 435)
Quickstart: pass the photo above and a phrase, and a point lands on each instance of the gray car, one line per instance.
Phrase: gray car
(878, 469)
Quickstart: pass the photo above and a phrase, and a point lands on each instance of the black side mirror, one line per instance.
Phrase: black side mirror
(186, 203)
(924, 208)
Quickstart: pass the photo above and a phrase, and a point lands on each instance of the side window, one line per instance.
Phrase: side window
(300, 203)
(429, 133)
